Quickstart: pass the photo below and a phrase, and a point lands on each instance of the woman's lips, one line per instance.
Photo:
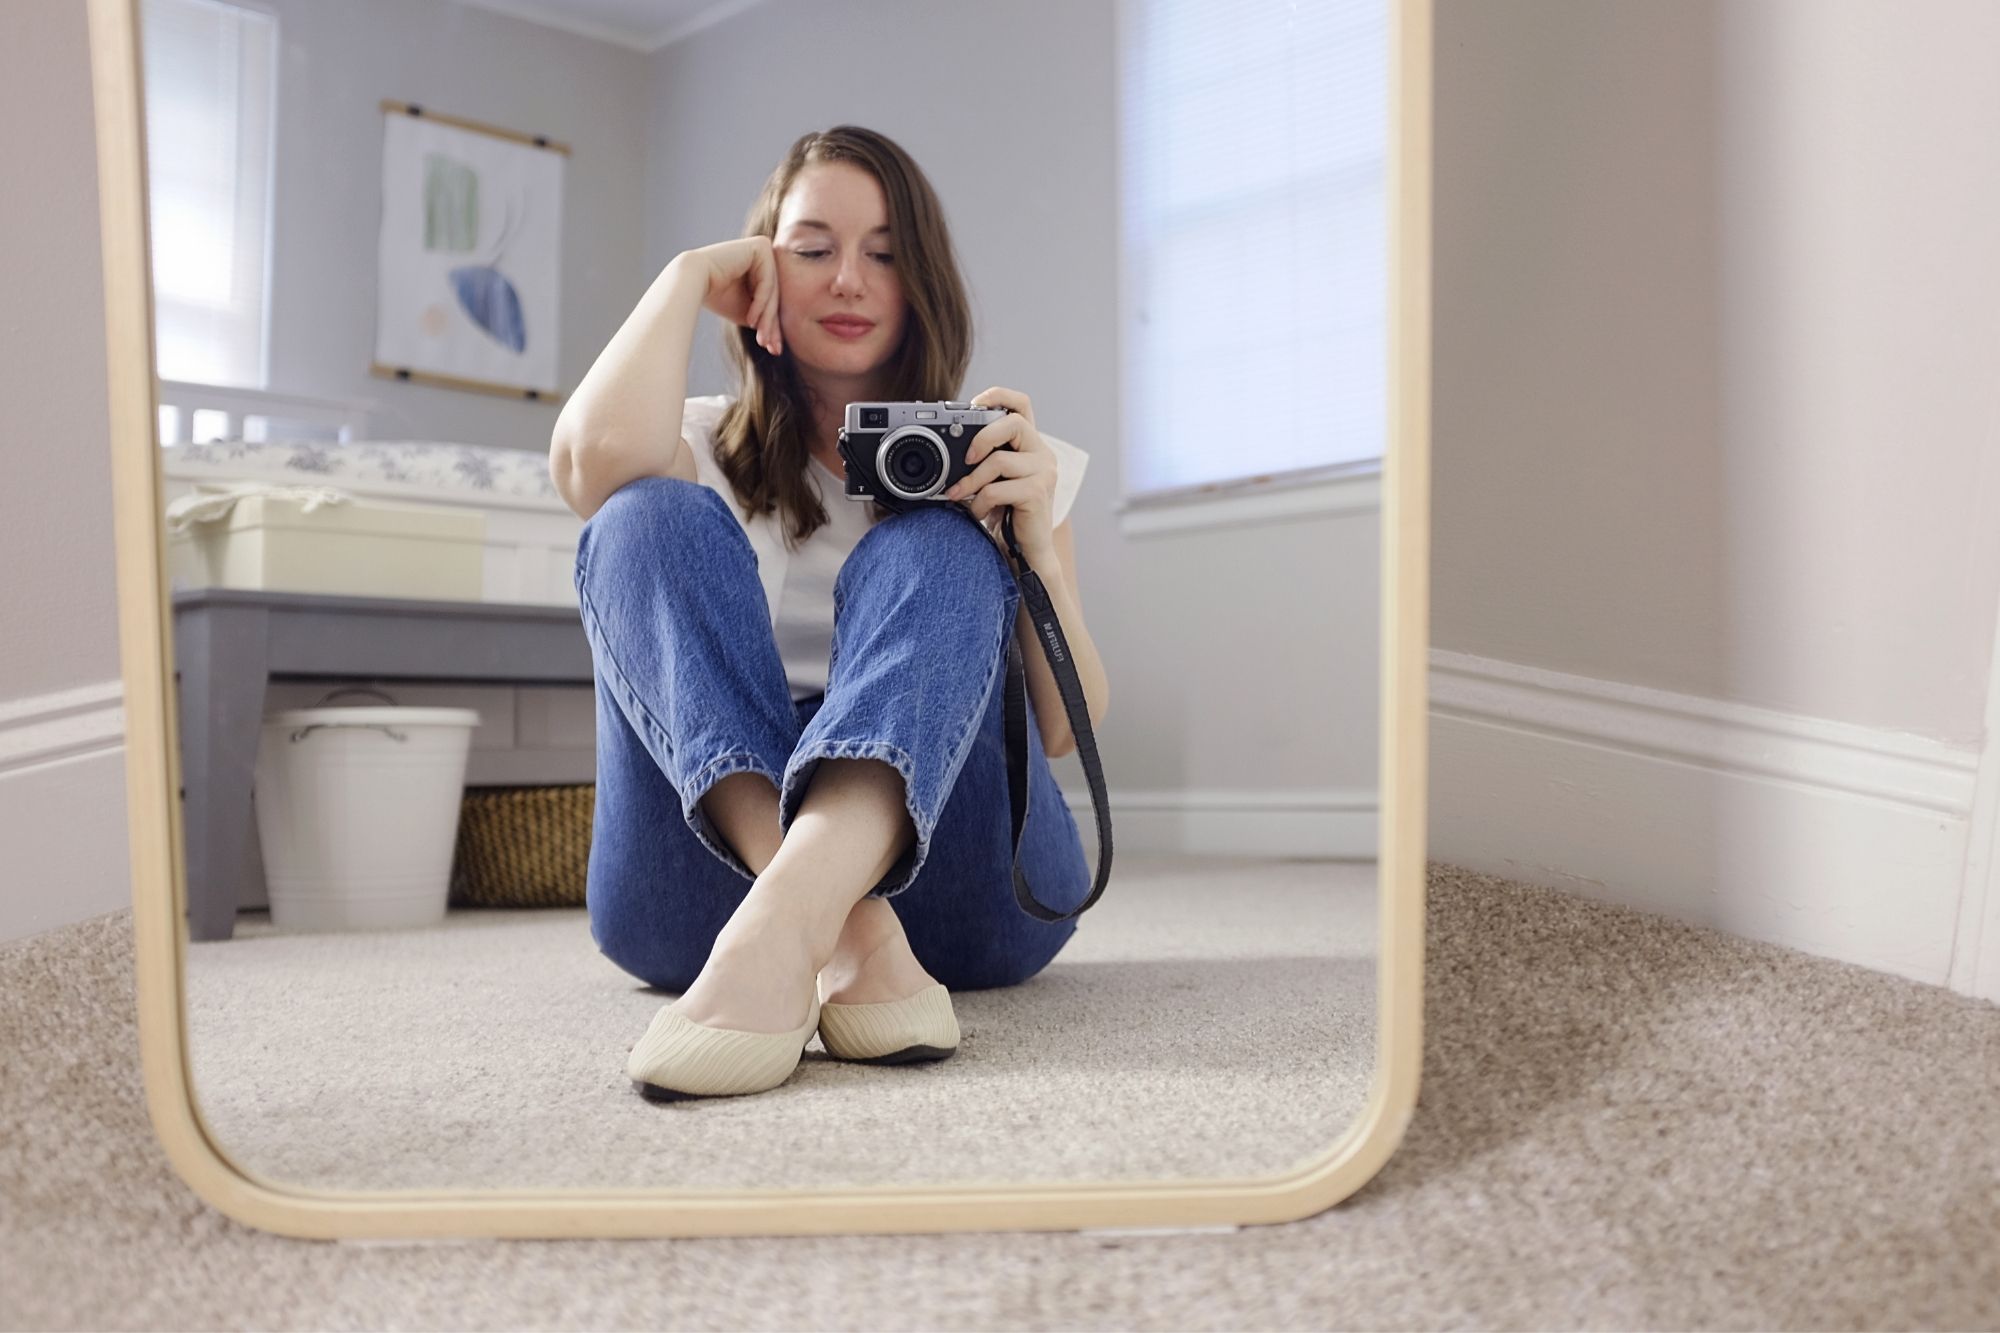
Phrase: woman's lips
(847, 328)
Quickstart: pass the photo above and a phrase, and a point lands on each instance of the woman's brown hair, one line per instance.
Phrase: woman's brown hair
(762, 441)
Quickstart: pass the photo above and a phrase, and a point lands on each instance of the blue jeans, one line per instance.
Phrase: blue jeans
(690, 689)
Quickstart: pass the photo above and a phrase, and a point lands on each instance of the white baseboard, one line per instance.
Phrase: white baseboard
(62, 809)
(1837, 840)
(1324, 824)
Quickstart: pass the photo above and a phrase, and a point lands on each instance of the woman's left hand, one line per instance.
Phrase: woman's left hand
(1012, 466)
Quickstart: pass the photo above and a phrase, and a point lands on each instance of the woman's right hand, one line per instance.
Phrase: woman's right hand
(743, 286)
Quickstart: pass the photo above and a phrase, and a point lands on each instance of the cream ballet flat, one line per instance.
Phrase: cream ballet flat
(679, 1058)
(892, 1032)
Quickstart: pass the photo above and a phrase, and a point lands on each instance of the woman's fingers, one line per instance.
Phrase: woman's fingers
(1014, 491)
(767, 268)
(995, 465)
(758, 318)
(1008, 430)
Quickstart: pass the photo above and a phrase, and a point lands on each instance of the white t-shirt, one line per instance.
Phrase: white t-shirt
(798, 584)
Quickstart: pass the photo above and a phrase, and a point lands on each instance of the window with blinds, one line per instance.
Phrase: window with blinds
(210, 80)
(1254, 157)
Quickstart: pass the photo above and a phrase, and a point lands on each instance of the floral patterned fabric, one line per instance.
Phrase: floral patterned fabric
(468, 467)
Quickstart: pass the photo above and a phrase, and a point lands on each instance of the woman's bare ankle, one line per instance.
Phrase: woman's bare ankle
(873, 962)
(759, 976)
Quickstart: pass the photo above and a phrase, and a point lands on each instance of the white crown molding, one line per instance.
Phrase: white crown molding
(551, 16)
(707, 18)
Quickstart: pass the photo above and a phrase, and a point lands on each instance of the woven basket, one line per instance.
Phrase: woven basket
(523, 846)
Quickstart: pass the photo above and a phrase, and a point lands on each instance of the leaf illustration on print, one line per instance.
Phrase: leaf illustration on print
(489, 299)
(492, 303)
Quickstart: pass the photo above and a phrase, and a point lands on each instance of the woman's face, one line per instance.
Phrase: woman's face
(836, 263)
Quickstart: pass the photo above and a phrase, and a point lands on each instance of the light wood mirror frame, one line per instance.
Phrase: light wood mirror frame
(159, 889)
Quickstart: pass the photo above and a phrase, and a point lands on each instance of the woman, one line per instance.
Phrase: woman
(812, 788)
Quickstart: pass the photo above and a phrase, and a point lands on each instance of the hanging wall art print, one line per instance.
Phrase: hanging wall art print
(470, 254)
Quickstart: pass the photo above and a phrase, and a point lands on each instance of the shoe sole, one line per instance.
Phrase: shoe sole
(909, 1055)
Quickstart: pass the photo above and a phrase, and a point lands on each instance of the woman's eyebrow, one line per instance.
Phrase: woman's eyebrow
(821, 226)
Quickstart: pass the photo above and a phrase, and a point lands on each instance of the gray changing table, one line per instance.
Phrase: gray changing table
(229, 642)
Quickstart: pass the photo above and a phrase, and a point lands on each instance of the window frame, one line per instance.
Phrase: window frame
(1352, 486)
(268, 11)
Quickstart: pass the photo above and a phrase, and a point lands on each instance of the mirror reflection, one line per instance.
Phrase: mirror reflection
(686, 526)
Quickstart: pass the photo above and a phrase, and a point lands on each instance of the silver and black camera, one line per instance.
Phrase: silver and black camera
(901, 454)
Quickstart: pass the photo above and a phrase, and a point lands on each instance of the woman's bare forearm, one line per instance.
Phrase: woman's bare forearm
(624, 419)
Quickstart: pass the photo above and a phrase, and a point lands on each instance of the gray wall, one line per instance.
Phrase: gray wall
(338, 62)
(1031, 193)
(62, 775)
(1222, 675)
(59, 612)
(1718, 327)
(1715, 335)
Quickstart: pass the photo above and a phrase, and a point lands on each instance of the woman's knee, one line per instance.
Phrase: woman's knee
(655, 516)
(935, 542)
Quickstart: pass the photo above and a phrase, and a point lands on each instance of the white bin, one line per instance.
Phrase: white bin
(357, 808)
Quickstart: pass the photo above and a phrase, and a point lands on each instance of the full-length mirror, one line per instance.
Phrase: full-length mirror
(594, 721)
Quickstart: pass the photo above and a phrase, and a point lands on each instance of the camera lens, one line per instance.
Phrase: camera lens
(913, 465)
(874, 418)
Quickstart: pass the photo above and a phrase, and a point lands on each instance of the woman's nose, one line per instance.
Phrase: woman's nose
(848, 278)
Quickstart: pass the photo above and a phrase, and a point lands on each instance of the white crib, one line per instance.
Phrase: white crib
(224, 435)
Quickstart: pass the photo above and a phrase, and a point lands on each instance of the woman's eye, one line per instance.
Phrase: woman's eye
(821, 254)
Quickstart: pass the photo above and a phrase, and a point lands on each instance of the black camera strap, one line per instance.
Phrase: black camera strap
(1048, 631)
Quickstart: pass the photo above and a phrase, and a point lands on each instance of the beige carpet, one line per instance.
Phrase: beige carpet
(1624, 1123)
(1210, 1017)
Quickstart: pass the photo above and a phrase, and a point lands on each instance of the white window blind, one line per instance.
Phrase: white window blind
(210, 101)
(1254, 156)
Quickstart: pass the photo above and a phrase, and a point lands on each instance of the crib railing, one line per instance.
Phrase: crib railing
(203, 413)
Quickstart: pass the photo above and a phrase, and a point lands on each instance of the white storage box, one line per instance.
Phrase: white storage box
(358, 810)
(360, 548)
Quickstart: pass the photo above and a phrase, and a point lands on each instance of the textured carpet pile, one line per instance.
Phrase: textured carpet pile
(489, 1052)
(1624, 1123)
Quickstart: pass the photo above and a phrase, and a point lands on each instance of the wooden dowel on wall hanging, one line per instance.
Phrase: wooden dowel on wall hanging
(454, 382)
(392, 106)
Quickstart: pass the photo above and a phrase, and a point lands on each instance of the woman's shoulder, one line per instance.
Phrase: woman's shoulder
(699, 417)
